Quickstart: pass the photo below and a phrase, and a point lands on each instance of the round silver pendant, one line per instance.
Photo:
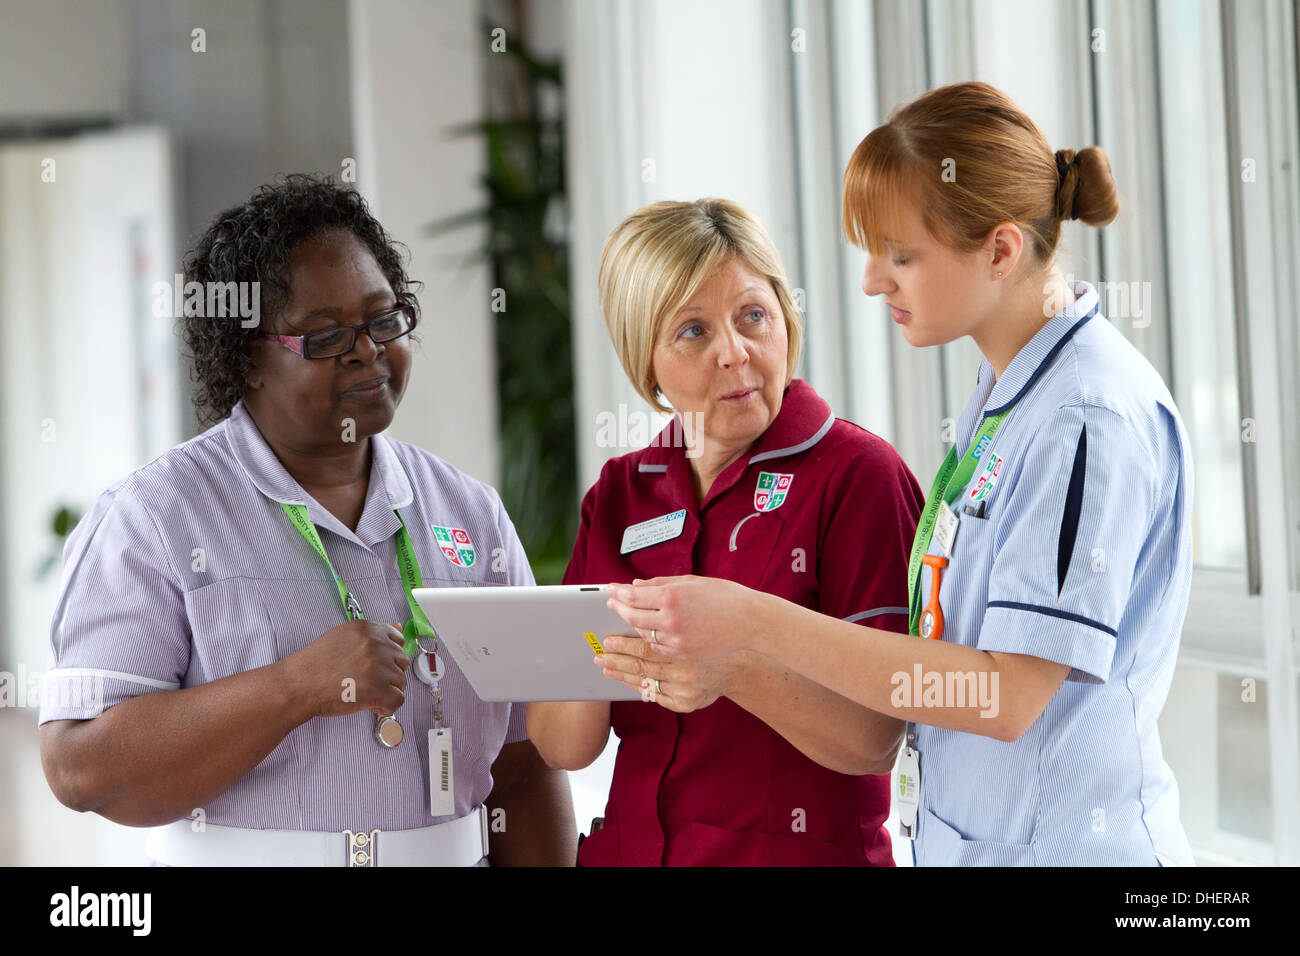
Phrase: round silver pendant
(927, 623)
(388, 731)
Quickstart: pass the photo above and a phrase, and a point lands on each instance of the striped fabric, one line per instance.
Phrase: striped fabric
(188, 571)
(1083, 556)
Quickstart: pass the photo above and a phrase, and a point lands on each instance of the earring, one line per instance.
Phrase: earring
(999, 275)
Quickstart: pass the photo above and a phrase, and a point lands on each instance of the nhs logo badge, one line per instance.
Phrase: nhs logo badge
(988, 477)
(978, 451)
(652, 532)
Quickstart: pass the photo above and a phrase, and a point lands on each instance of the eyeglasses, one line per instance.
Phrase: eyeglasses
(339, 340)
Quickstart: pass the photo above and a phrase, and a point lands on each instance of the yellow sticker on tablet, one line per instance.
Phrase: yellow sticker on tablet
(594, 642)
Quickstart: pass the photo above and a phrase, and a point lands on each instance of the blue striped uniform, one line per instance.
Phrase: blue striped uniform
(1083, 556)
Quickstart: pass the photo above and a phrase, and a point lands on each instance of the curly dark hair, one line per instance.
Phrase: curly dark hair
(251, 243)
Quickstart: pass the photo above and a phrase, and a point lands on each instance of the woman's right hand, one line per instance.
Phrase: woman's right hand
(356, 666)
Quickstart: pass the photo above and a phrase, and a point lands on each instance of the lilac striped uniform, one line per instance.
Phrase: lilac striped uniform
(188, 571)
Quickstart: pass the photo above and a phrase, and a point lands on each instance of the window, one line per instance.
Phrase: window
(1195, 104)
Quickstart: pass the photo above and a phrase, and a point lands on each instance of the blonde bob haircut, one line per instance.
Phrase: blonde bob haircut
(657, 259)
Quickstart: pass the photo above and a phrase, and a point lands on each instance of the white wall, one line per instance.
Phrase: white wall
(417, 70)
(667, 99)
(86, 381)
(88, 384)
(62, 60)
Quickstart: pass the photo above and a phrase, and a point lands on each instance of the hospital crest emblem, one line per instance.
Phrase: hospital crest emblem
(456, 545)
(988, 477)
(771, 490)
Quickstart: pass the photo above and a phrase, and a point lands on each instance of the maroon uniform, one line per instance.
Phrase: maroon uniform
(817, 511)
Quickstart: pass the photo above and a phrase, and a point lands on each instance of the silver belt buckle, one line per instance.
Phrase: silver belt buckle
(362, 847)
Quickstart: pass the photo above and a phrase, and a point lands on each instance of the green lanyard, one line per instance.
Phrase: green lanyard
(414, 629)
(948, 484)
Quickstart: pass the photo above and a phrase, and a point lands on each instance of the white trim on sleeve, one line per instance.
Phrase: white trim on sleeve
(61, 672)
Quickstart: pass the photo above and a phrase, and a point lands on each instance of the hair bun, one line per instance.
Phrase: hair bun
(1067, 184)
(1085, 187)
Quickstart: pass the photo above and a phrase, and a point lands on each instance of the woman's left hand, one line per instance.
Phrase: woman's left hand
(681, 686)
(689, 617)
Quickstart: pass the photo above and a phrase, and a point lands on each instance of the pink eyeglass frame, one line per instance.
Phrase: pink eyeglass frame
(298, 343)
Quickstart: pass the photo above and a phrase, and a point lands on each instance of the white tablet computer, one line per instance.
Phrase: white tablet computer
(529, 643)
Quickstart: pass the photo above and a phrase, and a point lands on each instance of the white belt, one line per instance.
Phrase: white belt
(461, 842)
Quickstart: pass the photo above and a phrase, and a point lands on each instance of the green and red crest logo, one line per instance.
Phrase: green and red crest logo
(456, 545)
(771, 490)
(988, 477)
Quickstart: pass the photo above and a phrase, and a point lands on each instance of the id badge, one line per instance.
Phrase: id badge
(655, 531)
(442, 786)
(909, 791)
(945, 530)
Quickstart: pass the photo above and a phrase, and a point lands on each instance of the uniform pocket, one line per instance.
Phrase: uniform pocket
(232, 630)
(943, 845)
(972, 536)
(750, 549)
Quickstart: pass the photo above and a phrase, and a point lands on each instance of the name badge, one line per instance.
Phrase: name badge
(442, 789)
(945, 530)
(909, 791)
(655, 531)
